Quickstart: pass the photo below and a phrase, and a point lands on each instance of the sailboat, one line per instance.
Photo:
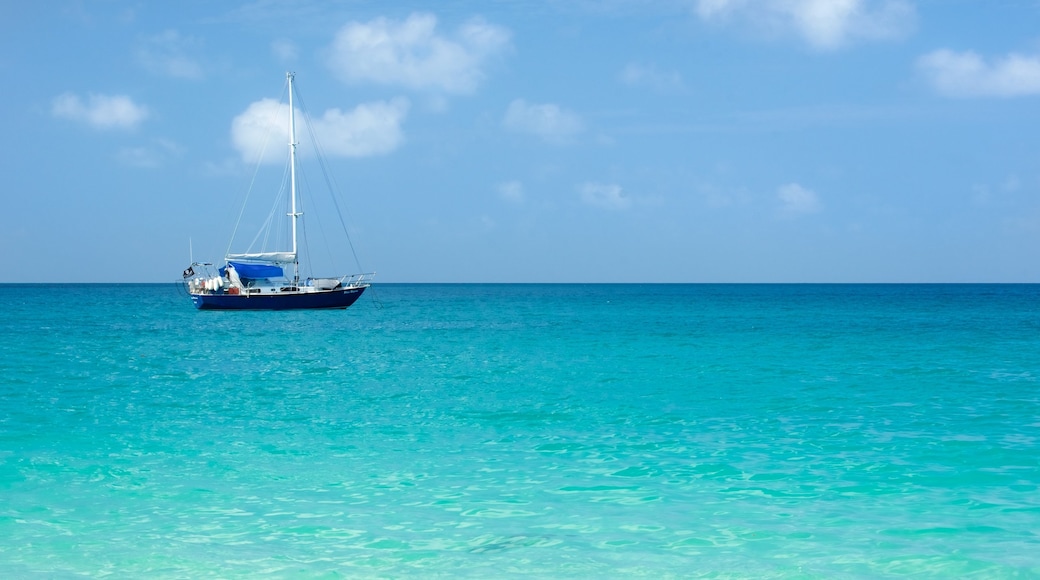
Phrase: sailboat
(270, 280)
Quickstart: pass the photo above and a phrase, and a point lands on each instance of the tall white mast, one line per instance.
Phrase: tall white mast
(292, 176)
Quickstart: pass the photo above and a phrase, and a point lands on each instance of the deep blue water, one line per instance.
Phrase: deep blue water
(586, 431)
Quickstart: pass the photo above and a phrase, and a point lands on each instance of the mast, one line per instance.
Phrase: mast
(292, 177)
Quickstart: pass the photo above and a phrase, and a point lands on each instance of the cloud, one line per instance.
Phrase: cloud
(824, 24)
(547, 121)
(369, 129)
(167, 54)
(148, 157)
(985, 194)
(966, 74)
(511, 191)
(100, 111)
(138, 157)
(605, 196)
(413, 54)
(798, 200)
(649, 76)
(285, 50)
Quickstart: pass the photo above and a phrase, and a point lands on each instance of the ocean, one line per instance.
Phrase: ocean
(509, 431)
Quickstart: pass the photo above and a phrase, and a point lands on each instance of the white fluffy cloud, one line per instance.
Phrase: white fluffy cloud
(547, 121)
(824, 24)
(414, 54)
(604, 195)
(100, 111)
(966, 74)
(797, 199)
(369, 129)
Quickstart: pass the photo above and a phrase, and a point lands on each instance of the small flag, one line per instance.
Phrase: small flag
(189, 272)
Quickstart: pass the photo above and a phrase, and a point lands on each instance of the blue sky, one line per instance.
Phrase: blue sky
(537, 141)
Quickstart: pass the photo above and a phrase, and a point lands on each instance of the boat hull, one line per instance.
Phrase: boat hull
(338, 298)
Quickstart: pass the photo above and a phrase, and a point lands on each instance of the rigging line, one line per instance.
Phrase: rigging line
(304, 251)
(304, 245)
(266, 228)
(302, 199)
(256, 171)
(329, 180)
(302, 174)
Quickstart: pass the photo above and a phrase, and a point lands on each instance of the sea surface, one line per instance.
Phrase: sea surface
(510, 431)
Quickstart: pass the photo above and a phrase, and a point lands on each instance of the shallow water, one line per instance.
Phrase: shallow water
(516, 430)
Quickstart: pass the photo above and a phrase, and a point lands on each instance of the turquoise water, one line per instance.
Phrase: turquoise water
(580, 431)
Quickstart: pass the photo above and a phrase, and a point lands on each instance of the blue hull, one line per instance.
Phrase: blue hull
(339, 298)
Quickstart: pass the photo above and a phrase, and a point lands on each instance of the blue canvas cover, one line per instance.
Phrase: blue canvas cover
(253, 271)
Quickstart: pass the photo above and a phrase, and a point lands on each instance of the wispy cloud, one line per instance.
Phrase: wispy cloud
(285, 50)
(412, 53)
(823, 24)
(100, 111)
(985, 194)
(966, 74)
(604, 196)
(369, 129)
(797, 200)
(512, 191)
(148, 157)
(548, 121)
(645, 75)
(169, 54)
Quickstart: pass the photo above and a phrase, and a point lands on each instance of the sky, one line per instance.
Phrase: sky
(533, 140)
